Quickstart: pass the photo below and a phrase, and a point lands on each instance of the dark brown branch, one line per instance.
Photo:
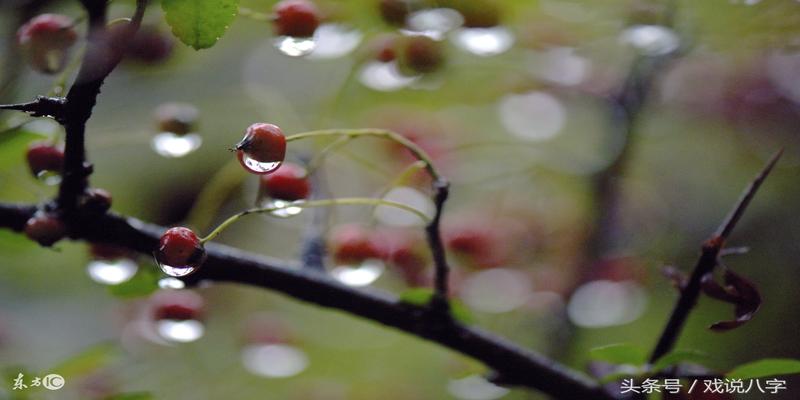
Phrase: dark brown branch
(434, 235)
(104, 52)
(708, 260)
(516, 365)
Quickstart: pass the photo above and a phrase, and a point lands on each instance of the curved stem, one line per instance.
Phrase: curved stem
(315, 203)
(384, 133)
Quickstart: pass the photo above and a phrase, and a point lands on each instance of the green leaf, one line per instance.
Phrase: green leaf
(422, 296)
(621, 353)
(142, 284)
(766, 367)
(199, 23)
(676, 357)
(417, 296)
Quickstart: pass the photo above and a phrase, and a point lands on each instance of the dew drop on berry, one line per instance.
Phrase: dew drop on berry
(334, 41)
(285, 209)
(484, 42)
(258, 167)
(112, 272)
(274, 360)
(385, 76)
(363, 274)
(49, 178)
(176, 271)
(171, 283)
(295, 46)
(182, 331)
(171, 145)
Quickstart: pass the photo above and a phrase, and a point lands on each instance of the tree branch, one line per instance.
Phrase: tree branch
(104, 52)
(516, 365)
(705, 264)
(434, 235)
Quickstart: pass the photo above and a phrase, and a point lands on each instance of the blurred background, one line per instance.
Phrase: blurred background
(559, 223)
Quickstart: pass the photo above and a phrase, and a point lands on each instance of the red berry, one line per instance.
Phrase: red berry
(177, 305)
(296, 18)
(263, 148)
(96, 200)
(150, 46)
(479, 244)
(289, 182)
(407, 253)
(43, 157)
(178, 118)
(394, 12)
(180, 248)
(353, 244)
(46, 39)
(421, 54)
(383, 47)
(45, 228)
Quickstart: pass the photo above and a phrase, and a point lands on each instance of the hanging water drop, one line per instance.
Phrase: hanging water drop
(112, 272)
(274, 360)
(651, 40)
(258, 167)
(182, 331)
(385, 76)
(295, 46)
(484, 42)
(50, 178)
(171, 283)
(334, 41)
(171, 145)
(360, 275)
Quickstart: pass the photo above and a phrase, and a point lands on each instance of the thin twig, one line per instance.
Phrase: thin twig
(705, 264)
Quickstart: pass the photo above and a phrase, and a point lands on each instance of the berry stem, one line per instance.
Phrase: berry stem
(315, 203)
(401, 178)
(353, 133)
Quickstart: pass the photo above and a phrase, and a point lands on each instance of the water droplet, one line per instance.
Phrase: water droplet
(295, 46)
(362, 275)
(50, 178)
(274, 360)
(170, 145)
(258, 167)
(171, 283)
(560, 65)
(384, 76)
(651, 40)
(334, 41)
(176, 271)
(111, 272)
(182, 331)
(604, 303)
(497, 290)
(484, 41)
(287, 210)
(533, 115)
(475, 387)
(398, 217)
(433, 22)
